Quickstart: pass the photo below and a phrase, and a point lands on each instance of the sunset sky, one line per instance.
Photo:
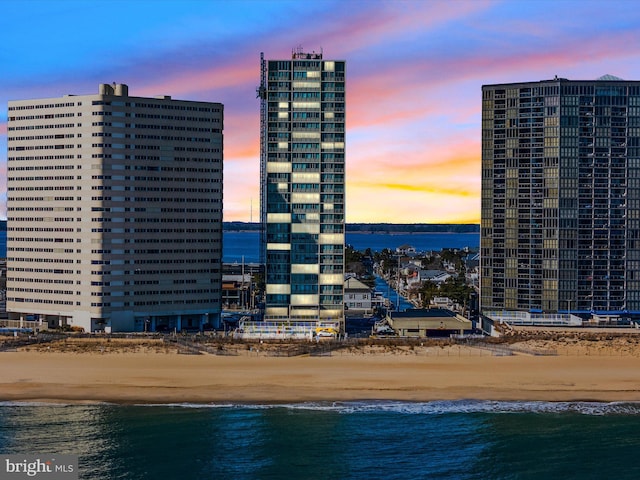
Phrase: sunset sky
(414, 74)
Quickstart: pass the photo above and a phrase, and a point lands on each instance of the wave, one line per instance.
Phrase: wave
(436, 407)
(444, 407)
(28, 403)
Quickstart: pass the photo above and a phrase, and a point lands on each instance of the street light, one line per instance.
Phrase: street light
(569, 306)
(398, 286)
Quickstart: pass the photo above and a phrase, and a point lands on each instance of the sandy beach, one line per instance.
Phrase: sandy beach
(163, 376)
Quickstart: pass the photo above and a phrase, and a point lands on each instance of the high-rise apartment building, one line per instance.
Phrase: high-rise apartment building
(302, 186)
(115, 211)
(560, 228)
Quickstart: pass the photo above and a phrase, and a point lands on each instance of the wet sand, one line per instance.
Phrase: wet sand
(149, 377)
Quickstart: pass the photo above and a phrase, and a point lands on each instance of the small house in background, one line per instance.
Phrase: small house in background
(472, 261)
(435, 276)
(442, 302)
(434, 322)
(357, 298)
(237, 291)
(378, 302)
(405, 249)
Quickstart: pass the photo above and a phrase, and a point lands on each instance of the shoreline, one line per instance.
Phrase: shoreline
(170, 378)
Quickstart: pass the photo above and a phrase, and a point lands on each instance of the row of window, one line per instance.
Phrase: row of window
(145, 137)
(153, 272)
(44, 157)
(155, 251)
(43, 105)
(121, 252)
(141, 293)
(151, 230)
(42, 270)
(11, 189)
(138, 126)
(146, 199)
(42, 167)
(136, 189)
(163, 105)
(136, 178)
(46, 116)
(99, 304)
(147, 261)
(125, 241)
(146, 157)
(42, 178)
(40, 209)
(107, 113)
(44, 137)
(40, 290)
(40, 127)
(60, 146)
(40, 300)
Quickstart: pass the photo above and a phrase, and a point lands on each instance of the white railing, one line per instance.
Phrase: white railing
(277, 330)
(528, 318)
(22, 324)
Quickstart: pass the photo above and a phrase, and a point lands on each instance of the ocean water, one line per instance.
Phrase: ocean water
(237, 245)
(354, 440)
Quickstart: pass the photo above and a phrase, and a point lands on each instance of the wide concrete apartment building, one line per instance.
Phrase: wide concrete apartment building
(560, 228)
(115, 211)
(302, 196)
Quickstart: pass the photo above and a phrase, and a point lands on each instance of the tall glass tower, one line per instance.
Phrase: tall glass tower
(560, 228)
(302, 170)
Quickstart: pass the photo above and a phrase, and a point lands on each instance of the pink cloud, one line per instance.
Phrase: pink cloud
(564, 54)
(242, 134)
(413, 100)
(214, 78)
(365, 28)
(3, 128)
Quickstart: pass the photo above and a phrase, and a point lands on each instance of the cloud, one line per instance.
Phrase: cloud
(186, 83)
(414, 71)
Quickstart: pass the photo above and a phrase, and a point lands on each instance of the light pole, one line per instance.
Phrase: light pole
(398, 286)
(569, 307)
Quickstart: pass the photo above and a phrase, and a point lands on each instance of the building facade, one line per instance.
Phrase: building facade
(357, 298)
(302, 163)
(115, 211)
(560, 228)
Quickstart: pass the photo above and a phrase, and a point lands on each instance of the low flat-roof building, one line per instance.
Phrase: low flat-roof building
(434, 322)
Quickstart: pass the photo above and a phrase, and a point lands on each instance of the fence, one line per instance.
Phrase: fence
(28, 324)
(528, 318)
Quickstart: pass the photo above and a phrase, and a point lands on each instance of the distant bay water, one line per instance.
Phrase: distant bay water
(246, 244)
(459, 440)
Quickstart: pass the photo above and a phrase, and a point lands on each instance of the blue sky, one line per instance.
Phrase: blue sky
(414, 73)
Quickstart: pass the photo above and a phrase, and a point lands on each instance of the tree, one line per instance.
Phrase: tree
(456, 289)
(354, 261)
(386, 259)
(428, 290)
(453, 257)
(351, 255)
